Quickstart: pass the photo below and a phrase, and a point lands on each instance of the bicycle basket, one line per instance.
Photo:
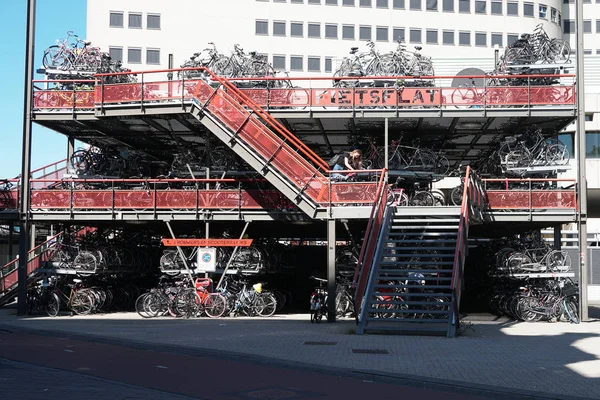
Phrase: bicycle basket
(570, 290)
(257, 287)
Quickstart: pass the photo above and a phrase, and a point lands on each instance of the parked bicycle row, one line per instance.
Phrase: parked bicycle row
(78, 58)
(344, 303)
(7, 200)
(539, 300)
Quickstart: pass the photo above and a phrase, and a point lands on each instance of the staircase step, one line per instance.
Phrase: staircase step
(384, 263)
(411, 241)
(424, 220)
(424, 233)
(385, 302)
(451, 248)
(409, 320)
(440, 287)
(423, 278)
(406, 294)
(423, 271)
(409, 311)
(425, 227)
(417, 255)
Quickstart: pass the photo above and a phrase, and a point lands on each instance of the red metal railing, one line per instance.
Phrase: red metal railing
(518, 91)
(531, 194)
(369, 244)
(35, 258)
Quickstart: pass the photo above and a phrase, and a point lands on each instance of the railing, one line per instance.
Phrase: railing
(154, 195)
(516, 91)
(35, 258)
(530, 194)
(373, 235)
(473, 203)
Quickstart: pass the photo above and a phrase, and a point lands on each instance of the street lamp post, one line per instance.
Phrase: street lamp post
(26, 162)
(581, 176)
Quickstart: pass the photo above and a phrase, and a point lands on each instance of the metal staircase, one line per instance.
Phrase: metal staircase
(36, 258)
(263, 142)
(415, 282)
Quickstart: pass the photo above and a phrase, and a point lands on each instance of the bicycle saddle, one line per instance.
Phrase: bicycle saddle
(87, 42)
(77, 280)
(353, 50)
(418, 48)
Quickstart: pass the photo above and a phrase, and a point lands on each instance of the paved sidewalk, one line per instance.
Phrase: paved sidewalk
(555, 358)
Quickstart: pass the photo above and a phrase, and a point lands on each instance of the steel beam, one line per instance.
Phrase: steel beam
(233, 253)
(325, 138)
(70, 148)
(181, 255)
(580, 145)
(331, 284)
(26, 160)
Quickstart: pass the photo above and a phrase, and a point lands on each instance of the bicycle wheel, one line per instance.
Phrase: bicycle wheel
(188, 303)
(81, 303)
(81, 161)
(456, 195)
(517, 261)
(557, 154)
(558, 261)
(53, 305)
(53, 58)
(140, 306)
(570, 309)
(342, 304)
(85, 260)
(223, 67)
(215, 305)
(558, 50)
(169, 263)
(442, 165)
(422, 199)
(268, 305)
(463, 96)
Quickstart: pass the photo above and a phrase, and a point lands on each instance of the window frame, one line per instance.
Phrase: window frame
(360, 30)
(399, 29)
(279, 57)
(437, 6)
(148, 15)
(387, 33)
(496, 34)
(365, 6)
(540, 5)
(337, 35)
(353, 31)
(292, 57)
(475, 7)
(262, 21)
(284, 28)
(410, 5)
(589, 21)
(134, 48)
(462, 2)
(444, 32)
(397, 7)
(410, 36)
(515, 5)
(529, 4)
(459, 36)
(296, 23)
(141, 15)
(308, 59)
(495, 3)
(447, 2)
(436, 32)
(120, 48)
(478, 34)
(386, 7)
(120, 13)
(148, 49)
(308, 25)
(348, 5)
(330, 60)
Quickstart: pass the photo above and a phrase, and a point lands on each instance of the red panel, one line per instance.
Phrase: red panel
(121, 93)
(50, 199)
(132, 199)
(540, 199)
(92, 199)
(176, 199)
(353, 193)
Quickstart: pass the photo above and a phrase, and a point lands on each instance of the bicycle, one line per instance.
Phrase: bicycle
(67, 56)
(6, 198)
(78, 300)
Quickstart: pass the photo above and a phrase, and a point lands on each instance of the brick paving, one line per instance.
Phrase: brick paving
(558, 358)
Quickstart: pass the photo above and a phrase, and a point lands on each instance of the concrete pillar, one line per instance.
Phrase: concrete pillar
(331, 284)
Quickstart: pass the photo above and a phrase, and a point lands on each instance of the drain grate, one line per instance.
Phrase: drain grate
(320, 343)
(370, 351)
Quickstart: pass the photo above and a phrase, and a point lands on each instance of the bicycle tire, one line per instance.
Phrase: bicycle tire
(81, 303)
(140, 306)
(268, 306)
(5, 199)
(456, 195)
(571, 311)
(187, 303)
(463, 96)
(50, 56)
(422, 199)
(557, 154)
(215, 305)
(52, 307)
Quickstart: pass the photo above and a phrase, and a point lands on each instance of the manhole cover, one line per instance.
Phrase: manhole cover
(270, 394)
(370, 351)
(320, 343)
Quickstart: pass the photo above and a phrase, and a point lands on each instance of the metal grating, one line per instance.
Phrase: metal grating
(370, 351)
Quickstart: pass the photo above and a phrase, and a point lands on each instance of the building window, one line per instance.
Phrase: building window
(296, 63)
(448, 37)
(279, 62)
(415, 35)
(598, 26)
(314, 2)
(398, 35)
(278, 28)
(331, 31)
(134, 55)
(328, 64)
(153, 21)
(364, 3)
(297, 29)
(280, 1)
(431, 5)
(569, 26)
(382, 34)
(349, 3)
(262, 28)
(398, 4)
(116, 53)
(587, 52)
(480, 7)
(383, 4)
(464, 6)
(587, 26)
(314, 64)
(496, 8)
(331, 2)
(348, 32)
(497, 39)
(528, 9)
(364, 33)
(135, 20)
(511, 38)
(432, 36)
(592, 144)
(314, 30)
(553, 15)
(480, 39)
(116, 20)
(559, 19)
(543, 11)
(448, 5)
(415, 5)
(512, 8)
(152, 56)
(464, 38)
(298, 1)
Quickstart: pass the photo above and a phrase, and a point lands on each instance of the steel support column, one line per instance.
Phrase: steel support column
(581, 175)
(233, 253)
(26, 161)
(182, 256)
(331, 270)
(32, 234)
(11, 228)
(386, 141)
(70, 148)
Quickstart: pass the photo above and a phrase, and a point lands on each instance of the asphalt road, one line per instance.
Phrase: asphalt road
(43, 367)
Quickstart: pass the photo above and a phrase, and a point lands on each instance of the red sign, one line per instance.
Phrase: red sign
(207, 242)
(376, 97)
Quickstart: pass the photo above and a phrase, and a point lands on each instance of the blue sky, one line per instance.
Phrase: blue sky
(54, 19)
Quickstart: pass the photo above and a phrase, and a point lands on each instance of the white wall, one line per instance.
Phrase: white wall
(187, 26)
